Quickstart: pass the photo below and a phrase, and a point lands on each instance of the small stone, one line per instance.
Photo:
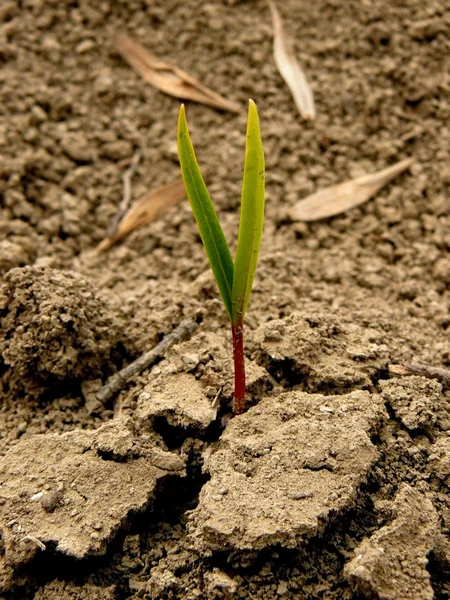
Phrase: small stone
(78, 148)
(89, 391)
(272, 335)
(282, 588)
(104, 82)
(117, 150)
(218, 580)
(190, 360)
(51, 500)
(84, 46)
(171, 152)
(31, 135)
(37, 496)
(300, 495)
(22, 427)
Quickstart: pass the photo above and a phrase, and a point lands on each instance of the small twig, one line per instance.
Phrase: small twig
(117, 409)
(35, 540)
(146, 565)
(184, 331)
(216, 400)
(126, 198)
(414, 368)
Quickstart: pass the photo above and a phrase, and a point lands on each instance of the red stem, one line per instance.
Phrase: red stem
(239, 368)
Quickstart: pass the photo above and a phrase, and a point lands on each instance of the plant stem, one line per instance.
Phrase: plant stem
(239, 367)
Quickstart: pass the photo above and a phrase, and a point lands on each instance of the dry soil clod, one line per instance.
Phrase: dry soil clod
(267, 458)
(414, 400)
(180, 399)
(391, 564)
(320, 351)
(54, 327)
(101, 477)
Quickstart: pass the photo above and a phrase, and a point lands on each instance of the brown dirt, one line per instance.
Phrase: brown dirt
(335, 483)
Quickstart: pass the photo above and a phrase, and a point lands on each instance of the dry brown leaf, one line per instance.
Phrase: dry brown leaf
(344, 196)
(168, 78)
(290, 69)
(145, 210)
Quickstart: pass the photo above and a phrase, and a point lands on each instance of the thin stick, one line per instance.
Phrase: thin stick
(184, 331)
(126, 198)
(216, 402)
(35, 540)
(414, 368)
(239, 368)
(117, 408)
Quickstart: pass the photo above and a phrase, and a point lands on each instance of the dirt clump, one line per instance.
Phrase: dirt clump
(284, 469)
(55, 327)
(65, 590)
(73, 491)
(180, 400)
(389, 565)
(195, 380)
(415, 400)
(321, 352)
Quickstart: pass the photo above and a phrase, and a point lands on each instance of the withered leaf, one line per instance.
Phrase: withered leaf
(289, 68)
(169, 78)
(145, 210)
(339, 198)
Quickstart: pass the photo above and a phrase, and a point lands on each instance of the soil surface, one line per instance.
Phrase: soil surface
(335, 483)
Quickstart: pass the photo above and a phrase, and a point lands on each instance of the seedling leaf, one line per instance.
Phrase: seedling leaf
(211, 232)
(252, 217)
(234, 280)
(339, 198)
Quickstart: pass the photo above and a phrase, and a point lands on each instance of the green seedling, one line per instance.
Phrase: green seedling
(234, 280)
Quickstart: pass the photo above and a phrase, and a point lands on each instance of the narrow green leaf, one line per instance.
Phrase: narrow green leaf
(213, 238)
(252, 217)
